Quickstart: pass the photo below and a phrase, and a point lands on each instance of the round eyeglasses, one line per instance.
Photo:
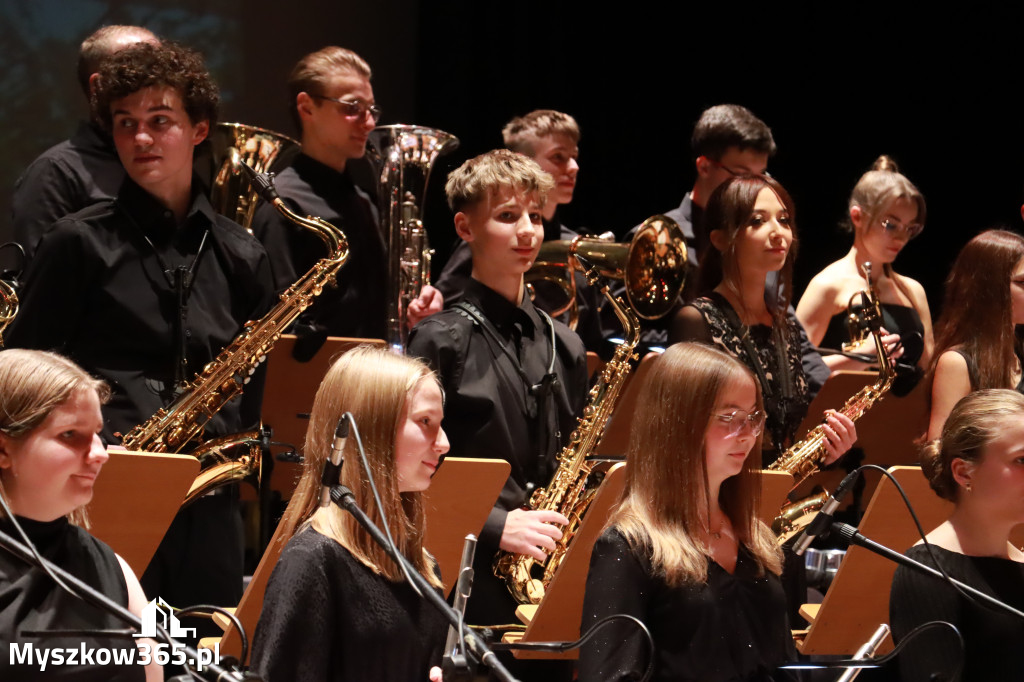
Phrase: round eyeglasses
(739, 421)
(894, 229)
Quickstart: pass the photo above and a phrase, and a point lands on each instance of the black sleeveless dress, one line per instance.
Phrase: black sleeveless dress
(897, 319)
(30, 601)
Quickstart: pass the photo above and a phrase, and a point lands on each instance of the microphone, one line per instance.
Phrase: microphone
(822, 522)
(332, 467)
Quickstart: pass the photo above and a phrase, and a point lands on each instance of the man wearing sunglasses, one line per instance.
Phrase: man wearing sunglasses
(332, 105)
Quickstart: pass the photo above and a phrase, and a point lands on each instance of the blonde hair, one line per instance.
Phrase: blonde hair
(666, 478)
(976, 420)
(487, 174)
(521, 132)
(374, 385)
(33, 383)
(313, 73)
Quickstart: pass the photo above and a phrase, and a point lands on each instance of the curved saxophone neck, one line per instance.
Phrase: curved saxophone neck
(331, 235)
(628, 319)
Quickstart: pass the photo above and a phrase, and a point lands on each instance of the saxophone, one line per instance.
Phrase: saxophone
(803, 459)
(174, 426)
(567, 493)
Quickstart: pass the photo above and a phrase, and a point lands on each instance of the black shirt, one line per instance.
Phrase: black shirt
(97, 291)
(990, 637)
(30, 601)
(358, 305)
(64, 179)
(491, 412)
(731, 628)
(328, 617)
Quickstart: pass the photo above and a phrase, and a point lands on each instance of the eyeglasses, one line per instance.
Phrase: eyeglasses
(354, 108)
(734, 172)
(738, 421)
(893, 229)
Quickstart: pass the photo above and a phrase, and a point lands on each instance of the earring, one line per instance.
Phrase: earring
(968, 487)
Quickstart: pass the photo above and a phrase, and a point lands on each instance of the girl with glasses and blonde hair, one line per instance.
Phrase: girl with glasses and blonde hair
(685, 551)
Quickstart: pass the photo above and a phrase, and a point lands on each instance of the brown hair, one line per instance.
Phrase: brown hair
(146, 65)
(488, 173)
(374, 385)
(977, 313)
(313, 73)
(730, 125)
(521, 132)
(729, 210)
(666, 478)
(33, 383)
(103, 43)
(977, 420)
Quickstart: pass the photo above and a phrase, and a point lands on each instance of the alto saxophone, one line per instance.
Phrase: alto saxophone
(184, 420)
(567, 493)
(804, 458)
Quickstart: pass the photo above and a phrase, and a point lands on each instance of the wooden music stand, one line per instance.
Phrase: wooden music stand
(775, 487)
(457, 503)
(594, 364)
(858, 599)
(616, 434)
(557, 617)
(134, 500)
(290, 388)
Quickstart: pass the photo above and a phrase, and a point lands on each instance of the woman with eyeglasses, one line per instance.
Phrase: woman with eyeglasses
(685, 552)
(886, 212)
(749, 219)
(977, 344)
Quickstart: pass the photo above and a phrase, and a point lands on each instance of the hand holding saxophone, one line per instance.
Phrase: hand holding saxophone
(530, 532)
(891, 342)
(840, 435)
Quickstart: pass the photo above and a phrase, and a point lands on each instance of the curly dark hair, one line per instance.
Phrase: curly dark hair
(144, 65)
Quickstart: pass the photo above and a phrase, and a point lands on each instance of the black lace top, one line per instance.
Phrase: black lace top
(785, 389)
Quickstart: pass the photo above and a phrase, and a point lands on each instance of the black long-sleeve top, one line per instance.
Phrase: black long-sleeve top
(990, 637)
(327, 617)
(357, 306)
(732, 628)
(98, 292)
(491, 412)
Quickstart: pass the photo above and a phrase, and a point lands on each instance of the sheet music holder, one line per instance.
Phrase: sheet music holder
(461, 495)
(290, 388)
(134, 500)
(858, 599)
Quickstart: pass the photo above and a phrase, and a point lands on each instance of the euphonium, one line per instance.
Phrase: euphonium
(8, 307)
(652, 266)
(803, 458)
(403, 156)
(174, 426)
(235, 144)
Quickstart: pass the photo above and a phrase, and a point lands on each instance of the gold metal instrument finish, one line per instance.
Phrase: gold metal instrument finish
(8, 307)
(804, 458)
(235, 144)
(652, 266)
(183, 421)
(402, 156)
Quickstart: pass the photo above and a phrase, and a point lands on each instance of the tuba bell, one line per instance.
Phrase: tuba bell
(262, 150)
(652, 266)
(402, 157)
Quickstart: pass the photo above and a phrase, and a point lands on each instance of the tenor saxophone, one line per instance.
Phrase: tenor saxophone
(804, 458)
(183, 421)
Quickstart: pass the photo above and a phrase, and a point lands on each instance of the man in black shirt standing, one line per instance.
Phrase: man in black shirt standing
(514, 379)
(80, 171)
(333, 106)
(143, 290)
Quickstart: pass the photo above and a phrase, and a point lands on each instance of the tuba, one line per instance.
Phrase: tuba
(652, 266)
(803, 459)
(183, 421)
(568, 492)
(235, 145)
(402, 157)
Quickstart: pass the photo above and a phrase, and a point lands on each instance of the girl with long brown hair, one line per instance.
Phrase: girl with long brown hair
(337, 606)
(685, 552)
(976, 345)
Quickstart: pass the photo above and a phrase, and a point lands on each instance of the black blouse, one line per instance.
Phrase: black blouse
(30, 601)
(990, 637)
(731, 628)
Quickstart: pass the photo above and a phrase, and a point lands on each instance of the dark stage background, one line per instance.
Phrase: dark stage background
(839, 85)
